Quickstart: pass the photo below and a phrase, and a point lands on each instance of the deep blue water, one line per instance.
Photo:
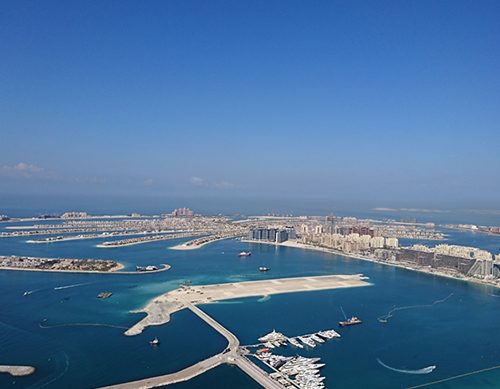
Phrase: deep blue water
(459, 335)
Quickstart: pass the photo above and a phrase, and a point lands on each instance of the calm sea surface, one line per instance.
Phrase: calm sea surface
(458, 335)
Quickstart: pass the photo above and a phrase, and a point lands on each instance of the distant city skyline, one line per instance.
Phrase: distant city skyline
(387, 101)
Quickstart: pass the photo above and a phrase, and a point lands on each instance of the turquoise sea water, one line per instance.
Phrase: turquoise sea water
(458, 335)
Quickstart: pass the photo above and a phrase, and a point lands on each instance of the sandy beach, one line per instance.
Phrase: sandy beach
(148, 239)
(188, 246)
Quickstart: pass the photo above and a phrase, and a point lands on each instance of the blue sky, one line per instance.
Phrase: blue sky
(385, 100)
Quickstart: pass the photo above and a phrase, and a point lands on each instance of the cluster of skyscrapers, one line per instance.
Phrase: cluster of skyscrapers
(277, 235)
(466, 260)
(182, 212)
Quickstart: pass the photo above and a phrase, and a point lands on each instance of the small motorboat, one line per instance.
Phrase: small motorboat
(154, 342)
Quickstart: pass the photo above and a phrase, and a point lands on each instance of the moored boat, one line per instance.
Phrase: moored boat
(295, 343)
(244, 254)
(307, 341)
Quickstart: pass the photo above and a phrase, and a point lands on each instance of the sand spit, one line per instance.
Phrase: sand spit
(159, 309)
(17, 371)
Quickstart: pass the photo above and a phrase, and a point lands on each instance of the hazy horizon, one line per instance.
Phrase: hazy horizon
(97, 205)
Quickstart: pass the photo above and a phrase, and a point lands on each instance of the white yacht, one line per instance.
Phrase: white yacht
(294, 342)
(317, 339)
(329, 334)
(307, 341)
(272, 336)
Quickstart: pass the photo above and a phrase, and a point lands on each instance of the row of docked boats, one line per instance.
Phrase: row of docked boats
(301, 372)
(277, 339)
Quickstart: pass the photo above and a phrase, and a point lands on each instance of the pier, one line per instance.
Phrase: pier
(159, 311)
(167, 379)
(230, 355)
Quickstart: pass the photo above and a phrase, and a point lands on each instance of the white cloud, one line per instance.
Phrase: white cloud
(23, 170)
(223, 185)
(196, 181)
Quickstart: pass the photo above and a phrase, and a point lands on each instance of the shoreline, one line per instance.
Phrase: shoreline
(159, 309)
(184, 246)
(435, 272)
(154, 238)
(17, 370)
(114, 271)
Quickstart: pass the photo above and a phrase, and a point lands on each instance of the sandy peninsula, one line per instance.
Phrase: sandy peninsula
(159, 309)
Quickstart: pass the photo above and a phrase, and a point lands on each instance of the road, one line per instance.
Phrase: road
(230, 355)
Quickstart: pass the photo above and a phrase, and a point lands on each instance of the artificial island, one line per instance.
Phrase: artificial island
(367, 239)
(371, 240)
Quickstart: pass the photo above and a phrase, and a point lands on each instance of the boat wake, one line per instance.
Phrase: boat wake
(61, 365)
(69, 286)
(30, 291)
(264, 298)
(494, 295)
(383, 319)
(425, 370)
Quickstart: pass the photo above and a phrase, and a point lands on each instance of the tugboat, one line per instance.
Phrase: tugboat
(244, 254)
(351, 321)
(154, 342)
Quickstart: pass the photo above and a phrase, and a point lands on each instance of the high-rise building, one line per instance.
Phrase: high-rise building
(182, 212)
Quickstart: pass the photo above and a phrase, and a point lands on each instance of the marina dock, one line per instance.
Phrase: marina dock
(159, 311)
